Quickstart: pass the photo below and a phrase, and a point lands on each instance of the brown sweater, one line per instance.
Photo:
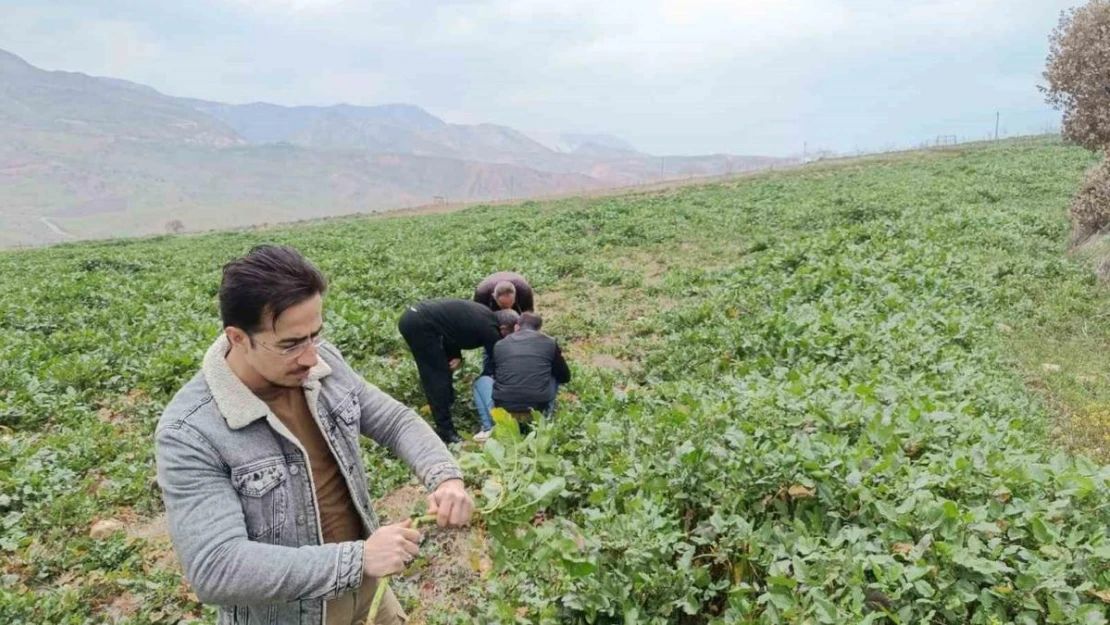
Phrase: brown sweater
(338, 517)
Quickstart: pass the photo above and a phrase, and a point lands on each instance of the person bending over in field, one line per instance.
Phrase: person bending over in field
(259, 463)
(436, 332)
(505, 290)
(528, 369)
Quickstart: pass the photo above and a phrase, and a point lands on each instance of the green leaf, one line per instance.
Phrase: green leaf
(951, 510)
(495, 450)
(505, 427)
(915, 573)
(491, 490)
(1041, 531)
(782, 581)
(540, 494)
(579, 568)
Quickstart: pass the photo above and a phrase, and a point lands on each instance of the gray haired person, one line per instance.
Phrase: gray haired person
(505, 290)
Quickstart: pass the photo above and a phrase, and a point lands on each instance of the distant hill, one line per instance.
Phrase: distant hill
(571, 142)
(85, 157)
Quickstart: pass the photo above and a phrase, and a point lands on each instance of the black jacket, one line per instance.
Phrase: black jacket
(462, 324)
(525, 362)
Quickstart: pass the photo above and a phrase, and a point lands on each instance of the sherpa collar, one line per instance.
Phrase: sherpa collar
(239, 406)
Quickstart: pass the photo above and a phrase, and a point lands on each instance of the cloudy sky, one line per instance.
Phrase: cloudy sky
(670, 76)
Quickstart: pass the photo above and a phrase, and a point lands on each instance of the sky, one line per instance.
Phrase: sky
(771, 77)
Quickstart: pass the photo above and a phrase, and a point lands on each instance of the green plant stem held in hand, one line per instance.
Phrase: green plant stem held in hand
(383, 583)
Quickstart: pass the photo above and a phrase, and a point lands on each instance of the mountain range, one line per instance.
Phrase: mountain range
(88, 157)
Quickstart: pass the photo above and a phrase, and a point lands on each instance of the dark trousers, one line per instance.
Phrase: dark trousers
(426, 346)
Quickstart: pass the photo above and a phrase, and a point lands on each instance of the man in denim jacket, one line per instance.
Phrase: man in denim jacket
(260, 469)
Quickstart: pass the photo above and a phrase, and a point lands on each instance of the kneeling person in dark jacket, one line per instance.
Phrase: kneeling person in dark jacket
(529, 367)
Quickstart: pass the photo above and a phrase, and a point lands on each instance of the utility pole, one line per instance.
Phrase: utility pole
(997, 117)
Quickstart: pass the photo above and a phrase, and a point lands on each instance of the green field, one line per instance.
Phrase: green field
(845, 394)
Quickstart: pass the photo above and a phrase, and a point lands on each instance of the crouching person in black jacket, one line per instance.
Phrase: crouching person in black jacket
(529, 367)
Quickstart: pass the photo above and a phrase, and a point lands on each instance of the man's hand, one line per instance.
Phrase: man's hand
(454, 363)
(451, 504)
(390, 549)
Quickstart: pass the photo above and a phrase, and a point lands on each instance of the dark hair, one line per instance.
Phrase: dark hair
(531, 321)
(507, 318)
(265, 283)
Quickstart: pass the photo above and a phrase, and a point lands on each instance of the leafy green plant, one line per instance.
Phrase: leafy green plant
(792, 402)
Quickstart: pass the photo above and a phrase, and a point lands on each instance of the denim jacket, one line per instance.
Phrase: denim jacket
(239, 496)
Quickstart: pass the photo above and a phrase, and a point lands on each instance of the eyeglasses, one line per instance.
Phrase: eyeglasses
(295, 350)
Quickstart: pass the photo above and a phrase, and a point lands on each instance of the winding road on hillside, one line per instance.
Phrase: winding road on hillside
(45, 221)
